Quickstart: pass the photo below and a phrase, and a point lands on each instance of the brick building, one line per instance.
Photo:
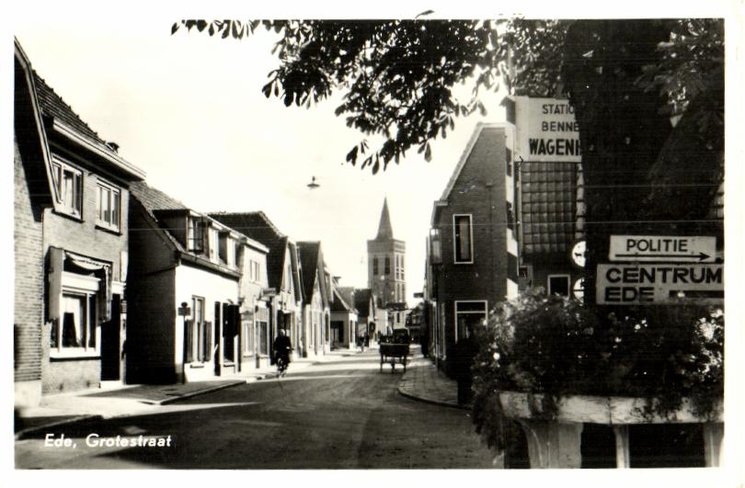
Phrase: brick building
(386, 272)
(472, 258)
(71, 244)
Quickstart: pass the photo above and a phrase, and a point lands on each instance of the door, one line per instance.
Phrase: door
(111, 344)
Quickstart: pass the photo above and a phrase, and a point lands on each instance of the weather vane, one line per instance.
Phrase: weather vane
(312, 185)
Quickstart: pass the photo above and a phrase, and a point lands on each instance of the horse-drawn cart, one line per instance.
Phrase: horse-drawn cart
(394, 349)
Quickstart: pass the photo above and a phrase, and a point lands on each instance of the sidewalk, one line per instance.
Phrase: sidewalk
(122, 400)
(423, 381)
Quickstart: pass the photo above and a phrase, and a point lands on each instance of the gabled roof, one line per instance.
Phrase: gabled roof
(466, 153)
(311, 263)
(340, 304)
(362, 300)
(29, 131)
(63, 121)
(257, 226)
(153, 200)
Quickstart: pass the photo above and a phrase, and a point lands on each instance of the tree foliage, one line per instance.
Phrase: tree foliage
(398, 75)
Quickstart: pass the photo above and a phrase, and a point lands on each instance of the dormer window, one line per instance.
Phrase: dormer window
(68, 182)
(197, 235)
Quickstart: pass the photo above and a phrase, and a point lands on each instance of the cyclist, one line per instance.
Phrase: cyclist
(282, 348)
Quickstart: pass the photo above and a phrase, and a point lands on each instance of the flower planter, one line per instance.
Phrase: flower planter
(555, 442)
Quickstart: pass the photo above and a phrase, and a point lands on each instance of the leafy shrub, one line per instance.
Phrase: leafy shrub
(555, 346)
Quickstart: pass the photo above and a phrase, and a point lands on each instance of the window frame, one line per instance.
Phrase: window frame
(78, 286)
(456, 247)
(485, 313)
(115, 195)
(197, 235)
(59, 167)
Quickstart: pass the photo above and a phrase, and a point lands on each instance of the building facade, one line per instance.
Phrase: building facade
(318, 296)
(193, 279)
(72, 240)
(343, 318)
(472, 259)
(283, 280)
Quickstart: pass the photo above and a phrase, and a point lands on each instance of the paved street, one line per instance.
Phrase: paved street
(342, 413)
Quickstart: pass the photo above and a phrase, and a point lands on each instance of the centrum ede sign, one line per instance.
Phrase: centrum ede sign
(628, 284)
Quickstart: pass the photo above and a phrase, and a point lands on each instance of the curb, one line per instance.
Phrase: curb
(402, 391)
(33, 430)
(199, 392)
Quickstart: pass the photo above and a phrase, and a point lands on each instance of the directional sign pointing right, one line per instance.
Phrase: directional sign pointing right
(679, 249)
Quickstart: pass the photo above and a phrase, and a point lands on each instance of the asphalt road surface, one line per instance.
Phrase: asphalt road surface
(343, 414)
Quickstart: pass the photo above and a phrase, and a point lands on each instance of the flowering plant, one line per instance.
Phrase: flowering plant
(555, 346)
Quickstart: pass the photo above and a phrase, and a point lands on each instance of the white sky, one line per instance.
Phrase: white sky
(188, 109)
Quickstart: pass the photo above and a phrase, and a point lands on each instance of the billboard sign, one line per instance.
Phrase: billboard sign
(633, 284)
(546, 130)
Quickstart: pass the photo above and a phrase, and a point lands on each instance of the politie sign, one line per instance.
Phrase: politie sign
(546, 130)
(662, 248)
(631, 284)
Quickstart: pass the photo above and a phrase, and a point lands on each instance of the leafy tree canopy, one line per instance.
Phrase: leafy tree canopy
(398, 75)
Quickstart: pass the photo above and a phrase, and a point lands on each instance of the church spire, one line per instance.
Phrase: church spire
(385, 231)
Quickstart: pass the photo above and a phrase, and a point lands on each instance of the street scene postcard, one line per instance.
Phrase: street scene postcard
(486, 245)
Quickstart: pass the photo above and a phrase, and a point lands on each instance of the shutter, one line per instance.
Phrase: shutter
(56, 264)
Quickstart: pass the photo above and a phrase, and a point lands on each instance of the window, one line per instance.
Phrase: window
(387, 265)
(402, 266)
(254, 271)
(68, 182)
(76, 331)
(375, 266)
(508, 160)
(558, 285)
(468, 315)
(109, 203)
(198, 333)
(462, 239)
(263, 328)
(222, 247)
(197, 235)
(249, 342)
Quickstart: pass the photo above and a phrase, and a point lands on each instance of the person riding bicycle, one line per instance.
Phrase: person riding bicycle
(282, 348)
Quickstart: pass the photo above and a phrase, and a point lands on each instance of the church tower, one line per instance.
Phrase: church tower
(385, 264)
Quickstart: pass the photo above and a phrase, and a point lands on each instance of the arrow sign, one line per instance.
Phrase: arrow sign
(680, 249)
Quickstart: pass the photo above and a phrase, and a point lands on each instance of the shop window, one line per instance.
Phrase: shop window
(468, 315)
(109, 203)
(76, 330)
(462, 239)
(68, 182)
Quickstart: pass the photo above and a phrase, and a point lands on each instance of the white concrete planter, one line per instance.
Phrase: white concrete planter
(597, 410)
(557, 443)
